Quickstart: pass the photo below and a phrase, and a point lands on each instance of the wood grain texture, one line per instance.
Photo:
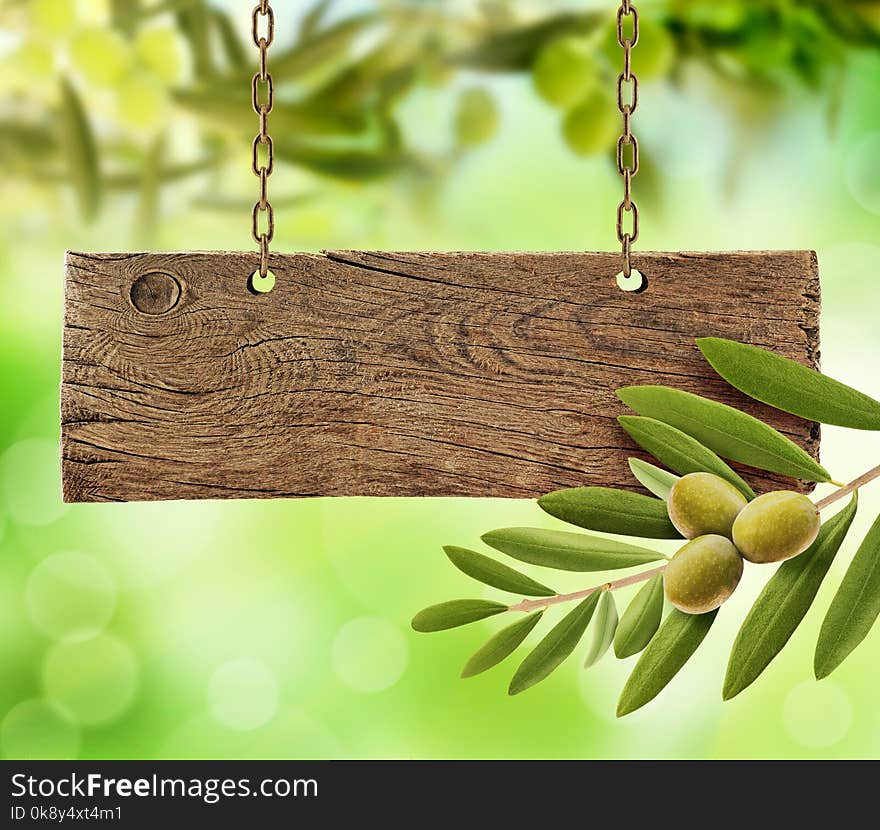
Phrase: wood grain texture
(397, 374)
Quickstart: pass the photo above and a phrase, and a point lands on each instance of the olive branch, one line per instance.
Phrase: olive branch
(692, 436)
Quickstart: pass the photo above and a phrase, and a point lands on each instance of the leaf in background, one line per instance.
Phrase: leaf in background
(454, 613)
(81, 151)
(611, 511)
(313, 19)
(567, 551)
(501, 646)
(233, 48)
(641, 619)
(331, 44)
(725, 430)
(679, 451)
(603, 629)
(346, 164)
(515, 49)
(783, 603)
(552, 651)
(151, 185)
(672, 646)
(652, 478)
(854, 609)
(493, 573)
(786, 385)
(194, 21)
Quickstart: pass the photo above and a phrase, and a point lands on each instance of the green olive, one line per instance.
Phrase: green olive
(592, 126)
(477, 118)
(776, 526)
(701, 503)
(565, 71)
(703, 574)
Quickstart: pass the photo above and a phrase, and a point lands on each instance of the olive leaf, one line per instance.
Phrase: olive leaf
(724, 430)
(789, 386)
(567, 551)
(488, 571)
(854, 609)
(783, 603)
(500, 646)
(654, 479)
(604, 627)
(611, 511)
(559, 643)
(455, 613)
(672, 646)
(81, 151)
(679, 451)
(641, 619)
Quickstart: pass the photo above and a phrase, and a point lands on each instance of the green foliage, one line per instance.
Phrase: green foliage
(455, 613)
(786, 385)
(641, 619)
(653, 478)
(567, 551)
(553, 650)
(679, 451)
(672, 646)
(724, 430)
(606, 510)
(854, 609)
(500, 646)
(604, 628)
(488, 571)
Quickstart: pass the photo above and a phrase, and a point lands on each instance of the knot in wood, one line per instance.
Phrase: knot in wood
(155, 293)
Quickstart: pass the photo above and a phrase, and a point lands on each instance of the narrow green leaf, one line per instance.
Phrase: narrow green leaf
(604, 627)
(493, 573)
(150, 194)
(313, 19)
(501, 646)
(854, 609)
(81, 151)
(652, 478)
(641, 619)
(789, 386)
(567, 551)
(724, 430)
(552, 651)
(679, 451)
(233, 47)
(611, 511)
(455, 613)
(672, 646)
(782, 605)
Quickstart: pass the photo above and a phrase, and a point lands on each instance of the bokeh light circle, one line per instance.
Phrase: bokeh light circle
(94, 679)
(863, 172)
(243, 694)
(30, 482)
(70, 596)
(817, 715)
(369, 654)
(39, 730)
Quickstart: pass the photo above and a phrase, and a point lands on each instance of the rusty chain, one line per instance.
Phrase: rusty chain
(628, 169)
(263, 99)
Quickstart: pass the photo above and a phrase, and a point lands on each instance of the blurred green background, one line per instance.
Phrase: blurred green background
(280, 629)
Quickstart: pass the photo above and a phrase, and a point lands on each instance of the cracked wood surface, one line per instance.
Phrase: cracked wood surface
(397, 374)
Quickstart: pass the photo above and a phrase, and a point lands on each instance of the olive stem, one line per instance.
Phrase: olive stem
(854, 485)
(545, 602)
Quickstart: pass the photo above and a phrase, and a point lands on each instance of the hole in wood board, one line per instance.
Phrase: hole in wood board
(261, 285)
(155, 293)
(636, 283)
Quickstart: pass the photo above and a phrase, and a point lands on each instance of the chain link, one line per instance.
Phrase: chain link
(263, 99)
(627, 103)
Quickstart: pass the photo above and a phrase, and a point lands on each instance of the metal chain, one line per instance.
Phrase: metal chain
(627, 79)
(263, 99)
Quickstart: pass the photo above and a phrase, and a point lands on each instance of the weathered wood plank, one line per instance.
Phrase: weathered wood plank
(396, 374)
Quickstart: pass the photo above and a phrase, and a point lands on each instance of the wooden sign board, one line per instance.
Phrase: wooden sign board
(397, 374)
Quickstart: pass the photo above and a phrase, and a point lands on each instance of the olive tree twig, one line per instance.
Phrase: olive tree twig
(544, 602)
(854, 485)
